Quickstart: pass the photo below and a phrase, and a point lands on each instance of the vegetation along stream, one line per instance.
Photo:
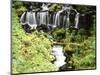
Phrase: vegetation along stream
(49, 37)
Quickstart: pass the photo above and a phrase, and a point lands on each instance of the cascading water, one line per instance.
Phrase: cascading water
(23, 18)
(43, 18)
(58, 53)
(44, 15)
(66, 17)
(57, 18)
(76, 20)
(68, 21)
(38, 18)
(63, 18)
(29, 18)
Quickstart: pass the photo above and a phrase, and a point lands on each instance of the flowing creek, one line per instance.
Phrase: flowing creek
(59, 55)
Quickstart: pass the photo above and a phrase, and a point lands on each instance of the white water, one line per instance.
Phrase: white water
(30, 19)
(68, 22)
(57, 18)
(44, 15)
(58, 53)
(43, 18)
(76, 20)
(23, 22)
(68, 9)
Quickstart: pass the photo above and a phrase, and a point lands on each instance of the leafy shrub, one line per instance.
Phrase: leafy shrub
(20, 7)
(55, 7)
(58, 34)
(81, 52)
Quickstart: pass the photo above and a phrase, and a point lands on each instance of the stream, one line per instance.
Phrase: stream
(59, 55)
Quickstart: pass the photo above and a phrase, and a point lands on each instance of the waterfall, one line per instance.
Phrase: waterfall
(76, 20)
(58, 53)
(44, 15)
(29, 18)
(38, 18)
(63, 17)
(54, 19)
(68, 21)
(43, 18)
(23, 18)
(57, 18)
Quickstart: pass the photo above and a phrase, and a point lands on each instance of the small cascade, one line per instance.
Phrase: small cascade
(68, 21)
(38, 18)
(23, 18)
(58, 53)
(76, 20)
(44, 15)
(52, 20)
(29, 18)
(43, 18)
(57, 17)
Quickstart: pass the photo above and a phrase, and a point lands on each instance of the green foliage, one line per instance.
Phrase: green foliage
(81, 51)
(30, 52)
(93, 27)
(21, 10)
(55, 7)
(86, 9)
(19, 6)
(79, 47)
(58, 34)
